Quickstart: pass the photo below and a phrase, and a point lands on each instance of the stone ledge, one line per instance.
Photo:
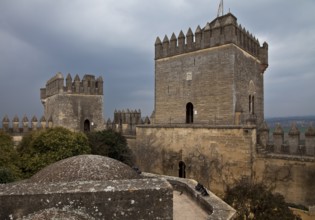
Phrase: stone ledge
(213, 205)
(286, 157)
(126, 199)
(196, 126)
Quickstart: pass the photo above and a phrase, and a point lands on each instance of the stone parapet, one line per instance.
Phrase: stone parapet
(87, 86)
(222, 30)
(213, 205)
(24, 126)
(196, 126)
(121, 199)
(291, 145)
(125, 121)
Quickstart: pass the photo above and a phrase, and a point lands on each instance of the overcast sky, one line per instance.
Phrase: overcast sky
(115, 39)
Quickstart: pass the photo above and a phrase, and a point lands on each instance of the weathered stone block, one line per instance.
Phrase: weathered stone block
(116, 199)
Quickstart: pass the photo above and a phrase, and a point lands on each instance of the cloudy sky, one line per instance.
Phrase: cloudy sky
(115, 39)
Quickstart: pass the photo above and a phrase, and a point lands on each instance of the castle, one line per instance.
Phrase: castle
(208, 118)
(208, 122)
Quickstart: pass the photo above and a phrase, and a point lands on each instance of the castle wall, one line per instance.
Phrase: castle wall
(77, 104)
(17, 129)
(214, 156)
(249, 81)
(125, 121)
(213, 80)
(71, 111)
(203, 78)
(217, 156)
(293, 177)
(222, 30)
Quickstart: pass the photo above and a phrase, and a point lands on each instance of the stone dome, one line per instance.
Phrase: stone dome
(84, 168)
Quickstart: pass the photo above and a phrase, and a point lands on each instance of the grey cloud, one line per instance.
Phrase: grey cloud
(115, 39)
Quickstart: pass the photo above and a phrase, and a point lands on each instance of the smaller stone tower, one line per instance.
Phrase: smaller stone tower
(78, 105)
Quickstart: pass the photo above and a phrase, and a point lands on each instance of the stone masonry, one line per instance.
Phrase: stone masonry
(78, 105)
(216, 74)
(208, 121)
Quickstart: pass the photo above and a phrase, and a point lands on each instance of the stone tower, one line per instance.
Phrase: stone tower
(213, 76)
(78, 105)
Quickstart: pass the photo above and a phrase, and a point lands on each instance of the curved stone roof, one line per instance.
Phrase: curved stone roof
(84, 168)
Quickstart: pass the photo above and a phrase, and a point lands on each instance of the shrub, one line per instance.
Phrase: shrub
(9, 170)
(256, 201)
(111, 144)
(41, 148)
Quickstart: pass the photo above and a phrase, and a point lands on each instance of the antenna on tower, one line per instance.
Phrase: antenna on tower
(220, 9)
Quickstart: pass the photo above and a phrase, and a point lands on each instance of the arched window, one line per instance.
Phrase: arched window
(87, 126)
(253, 104)
(182, 169)
(251, 97)
(189, 113)
(250, 104)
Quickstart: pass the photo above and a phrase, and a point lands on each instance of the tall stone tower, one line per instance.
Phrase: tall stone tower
(213, 76)
(78, 105)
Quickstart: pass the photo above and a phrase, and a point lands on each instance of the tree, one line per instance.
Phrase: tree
(111, 144)
(9, 170)
(256, 201)
(41, 148)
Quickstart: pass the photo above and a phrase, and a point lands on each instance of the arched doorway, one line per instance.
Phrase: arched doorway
(87, 126)
(189, 113)
(182, 169)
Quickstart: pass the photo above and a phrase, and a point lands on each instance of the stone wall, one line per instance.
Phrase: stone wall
(217, 156)
(214, 156)
(222, 30)
(116, 199)
(125, 121)
(291, 176)
(71, 111)
(210, 77)
(88, 85)
(214, 80)
(17, 127)
(292, 143)
(77, 104)
(215, 207)
(249, 82)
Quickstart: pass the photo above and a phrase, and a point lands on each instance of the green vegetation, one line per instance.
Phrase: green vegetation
(41, 148)
(9, 170)
(111, 144)
(255, 201)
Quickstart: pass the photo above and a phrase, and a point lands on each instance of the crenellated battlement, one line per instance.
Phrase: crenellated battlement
(58, 85)
(127, 116)
(17, 126)
(222, 30)
(287, 144)
(125, 121)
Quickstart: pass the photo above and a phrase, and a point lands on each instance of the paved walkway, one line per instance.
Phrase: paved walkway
(184, 208)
